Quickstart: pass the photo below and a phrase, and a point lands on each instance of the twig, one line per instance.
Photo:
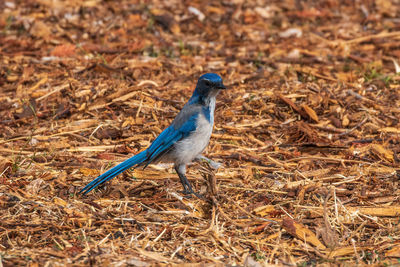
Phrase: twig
(355, 127)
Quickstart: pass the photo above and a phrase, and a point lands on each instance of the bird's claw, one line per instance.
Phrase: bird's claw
(213, 164)
(188, 194)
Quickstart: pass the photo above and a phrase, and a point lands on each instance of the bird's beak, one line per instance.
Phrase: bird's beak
(221, 86)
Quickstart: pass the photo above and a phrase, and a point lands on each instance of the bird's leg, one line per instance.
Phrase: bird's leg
(187, 187)
(181, 170)
(213, 164)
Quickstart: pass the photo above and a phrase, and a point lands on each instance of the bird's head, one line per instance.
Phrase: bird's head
(209, 85)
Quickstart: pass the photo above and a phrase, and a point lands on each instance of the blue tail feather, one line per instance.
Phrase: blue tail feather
(111, 173)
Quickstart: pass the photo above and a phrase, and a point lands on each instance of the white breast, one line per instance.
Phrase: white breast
(193, 145)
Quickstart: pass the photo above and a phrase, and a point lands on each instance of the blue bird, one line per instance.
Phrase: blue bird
(183, 141)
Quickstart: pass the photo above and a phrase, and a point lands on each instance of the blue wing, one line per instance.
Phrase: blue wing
(182, 126)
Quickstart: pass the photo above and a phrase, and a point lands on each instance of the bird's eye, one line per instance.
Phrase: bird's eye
(208, 83)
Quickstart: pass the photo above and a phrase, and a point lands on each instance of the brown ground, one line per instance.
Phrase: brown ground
(308, 132)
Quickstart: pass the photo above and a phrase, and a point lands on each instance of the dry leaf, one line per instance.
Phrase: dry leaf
(300, 231)
(344, 251)
(64, 50)
(393, 252)
(40, 30)
(392, 211)
(137, 21)
(89, 172)
(390, 130)
(37, 85)
(310, 112)
(264, 210)
(382, 152)
(60, 201)
(345, 121)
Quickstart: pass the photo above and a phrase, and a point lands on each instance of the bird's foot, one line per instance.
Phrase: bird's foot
(189, 193)
(213, 164)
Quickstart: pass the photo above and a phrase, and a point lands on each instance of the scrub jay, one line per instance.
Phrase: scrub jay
(183, 141)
